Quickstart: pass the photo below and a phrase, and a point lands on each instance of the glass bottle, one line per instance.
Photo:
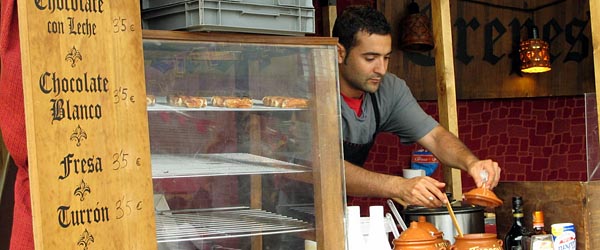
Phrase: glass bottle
(539, 239)
(512, 240)
(538, 223)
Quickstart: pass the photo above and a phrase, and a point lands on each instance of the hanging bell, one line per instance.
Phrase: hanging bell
(416, 33)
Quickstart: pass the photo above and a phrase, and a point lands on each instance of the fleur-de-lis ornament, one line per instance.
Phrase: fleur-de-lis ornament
(85, 239)
(73, 56)
(82, 190)
(78, 135)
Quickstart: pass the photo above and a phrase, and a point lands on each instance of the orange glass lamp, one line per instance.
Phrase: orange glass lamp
(534, 54)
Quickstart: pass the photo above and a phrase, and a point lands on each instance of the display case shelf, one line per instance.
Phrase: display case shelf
(175, 226)
(256, 107)
(172, 166)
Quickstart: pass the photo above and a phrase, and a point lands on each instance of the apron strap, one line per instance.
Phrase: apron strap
(357, 153)
(377, 115)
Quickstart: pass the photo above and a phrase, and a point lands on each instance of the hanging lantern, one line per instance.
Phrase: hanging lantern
(416, 34)
(534, 54)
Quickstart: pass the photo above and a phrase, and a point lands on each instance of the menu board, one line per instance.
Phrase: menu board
(87, 126)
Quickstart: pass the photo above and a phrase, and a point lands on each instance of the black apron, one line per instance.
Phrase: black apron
(357, 153)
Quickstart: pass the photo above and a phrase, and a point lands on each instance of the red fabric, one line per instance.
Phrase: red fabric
(12, 123)
(354, 103)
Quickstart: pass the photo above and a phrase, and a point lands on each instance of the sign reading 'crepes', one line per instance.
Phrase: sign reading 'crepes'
(87, 130)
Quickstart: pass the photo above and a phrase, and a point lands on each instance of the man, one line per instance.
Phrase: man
(376, 101)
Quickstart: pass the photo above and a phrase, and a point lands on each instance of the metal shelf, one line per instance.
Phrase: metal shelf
(162, 107)
(257, 105)
(173, 166)
(173, 226)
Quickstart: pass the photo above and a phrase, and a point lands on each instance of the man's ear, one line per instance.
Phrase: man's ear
(341, 52)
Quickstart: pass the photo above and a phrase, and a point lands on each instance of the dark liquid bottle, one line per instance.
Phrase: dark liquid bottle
(512, 241)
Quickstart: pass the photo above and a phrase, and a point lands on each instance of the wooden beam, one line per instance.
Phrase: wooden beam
(594, 208)
(445, 81)
(327, 165)
(329, 16)
(595, 21)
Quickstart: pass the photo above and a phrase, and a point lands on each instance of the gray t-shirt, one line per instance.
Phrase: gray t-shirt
(400, 114)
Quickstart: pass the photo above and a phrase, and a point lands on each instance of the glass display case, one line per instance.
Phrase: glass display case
(245, 140)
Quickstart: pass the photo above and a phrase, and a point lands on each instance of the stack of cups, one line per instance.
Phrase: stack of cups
(378, 238)
(411, 173)
(355, 237)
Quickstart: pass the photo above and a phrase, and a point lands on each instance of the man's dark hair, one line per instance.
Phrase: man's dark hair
(359, 18)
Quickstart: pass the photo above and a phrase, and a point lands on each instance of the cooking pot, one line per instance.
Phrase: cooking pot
(470, 219)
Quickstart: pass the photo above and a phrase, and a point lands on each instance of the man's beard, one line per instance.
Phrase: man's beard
(366, 86)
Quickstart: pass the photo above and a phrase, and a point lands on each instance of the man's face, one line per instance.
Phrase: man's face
(362, 68)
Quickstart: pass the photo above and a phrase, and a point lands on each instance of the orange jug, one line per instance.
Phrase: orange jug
(480, 241)
(434, 231)
(417, 237)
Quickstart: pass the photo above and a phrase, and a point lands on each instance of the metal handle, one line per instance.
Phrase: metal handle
(245, 12)
(396, 214)
(484, 176)
(392, 225)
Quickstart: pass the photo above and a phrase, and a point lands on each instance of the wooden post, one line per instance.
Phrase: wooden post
(256, 183)
(329, 15)
(445, 81)
(327, 164)
(593, 242)
(595, 21)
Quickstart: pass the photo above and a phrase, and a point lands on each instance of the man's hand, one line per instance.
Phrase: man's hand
(422, 191)
(476, 168)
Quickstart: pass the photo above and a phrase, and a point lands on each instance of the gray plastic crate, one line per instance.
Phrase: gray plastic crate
(149, 4)
(217, 15)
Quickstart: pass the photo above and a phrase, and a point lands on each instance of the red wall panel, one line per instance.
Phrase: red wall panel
(532, 139)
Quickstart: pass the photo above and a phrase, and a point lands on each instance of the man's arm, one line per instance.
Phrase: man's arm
(424, 191)
(452, 152)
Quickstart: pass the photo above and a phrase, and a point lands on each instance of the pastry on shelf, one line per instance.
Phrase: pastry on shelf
(272, 101)
(194, 101)
(295, 103)
(150, 100)
(175, 100)
(231, 102)
(186, 101)
(285, 102)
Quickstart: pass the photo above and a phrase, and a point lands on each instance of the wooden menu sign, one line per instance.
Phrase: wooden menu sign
(87, 126)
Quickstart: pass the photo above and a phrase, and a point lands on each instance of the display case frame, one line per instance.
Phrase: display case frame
(327, 164)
